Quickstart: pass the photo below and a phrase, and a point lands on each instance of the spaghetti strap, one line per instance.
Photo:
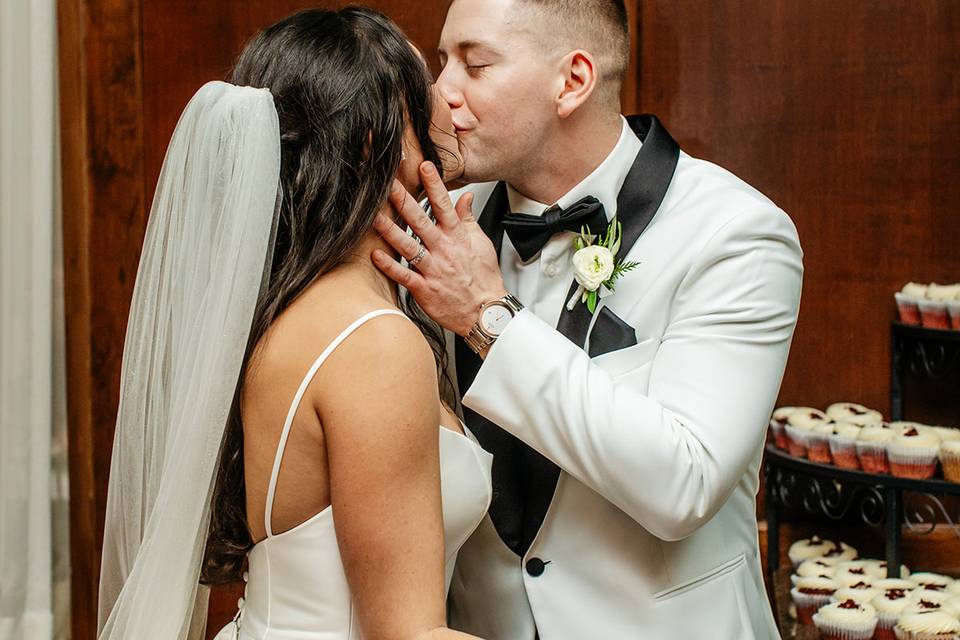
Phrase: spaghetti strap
(268, 512)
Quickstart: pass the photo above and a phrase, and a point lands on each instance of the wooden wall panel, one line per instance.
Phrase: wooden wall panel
(847, 114)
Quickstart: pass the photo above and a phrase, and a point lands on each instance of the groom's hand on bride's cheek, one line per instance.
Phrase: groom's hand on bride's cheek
(458, 270)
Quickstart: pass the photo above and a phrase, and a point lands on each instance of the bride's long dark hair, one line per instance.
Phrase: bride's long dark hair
(345, 85)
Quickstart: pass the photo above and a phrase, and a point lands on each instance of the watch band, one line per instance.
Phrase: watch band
(478, 339)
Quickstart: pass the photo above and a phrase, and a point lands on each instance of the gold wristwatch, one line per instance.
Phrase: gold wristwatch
(494, 316)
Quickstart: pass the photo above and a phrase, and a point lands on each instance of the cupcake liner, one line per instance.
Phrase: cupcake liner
(933, 314)
(833, 631)
(818, 448)
(796, 441)
(919, 635)
(951, 466)
(873, 456)
(779, 435)
(908, 308)
(843, 451)
(913, 462)
(953, 310)
(807, 604)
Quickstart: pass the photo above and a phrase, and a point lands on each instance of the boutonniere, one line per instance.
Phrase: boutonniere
(595, 265)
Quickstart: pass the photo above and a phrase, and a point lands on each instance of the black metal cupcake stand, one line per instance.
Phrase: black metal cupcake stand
(877, 500)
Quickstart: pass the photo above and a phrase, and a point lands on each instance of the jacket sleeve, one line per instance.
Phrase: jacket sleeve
(670, 457)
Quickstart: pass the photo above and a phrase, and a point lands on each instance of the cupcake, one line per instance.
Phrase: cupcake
(842, 444)
(894, 584)
(950, 459)
(846, 620)
(872, 448)
(908, 300)
(861, 593)
(927, 625)
(808, 548)
(877, 569)
(854, 413)
(799, 424)
(778, 424)
(815, 567)
(810, 594)
(849, 574)
(931, 581)
(929, 597)
(840, 554)
(933, 308)
(818, 443)
(913, 454)
(889, 604)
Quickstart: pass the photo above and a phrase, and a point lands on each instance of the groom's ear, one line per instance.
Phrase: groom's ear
(579, 72)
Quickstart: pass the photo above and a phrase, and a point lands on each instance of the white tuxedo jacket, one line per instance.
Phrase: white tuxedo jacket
(651, 531)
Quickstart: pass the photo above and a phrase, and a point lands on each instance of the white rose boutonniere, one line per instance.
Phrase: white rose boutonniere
(595, 265)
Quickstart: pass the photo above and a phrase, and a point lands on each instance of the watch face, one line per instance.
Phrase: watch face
(495, 318)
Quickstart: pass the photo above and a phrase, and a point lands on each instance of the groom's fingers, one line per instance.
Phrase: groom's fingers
(438, 195)
(408, 208)
(406, 278)
(464, 208)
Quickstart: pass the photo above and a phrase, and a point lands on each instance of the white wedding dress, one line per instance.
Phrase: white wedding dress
(296, 588)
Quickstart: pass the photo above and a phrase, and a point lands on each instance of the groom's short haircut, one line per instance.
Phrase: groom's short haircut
(597, 26)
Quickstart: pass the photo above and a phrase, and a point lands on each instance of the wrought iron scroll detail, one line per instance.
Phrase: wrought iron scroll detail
(925, 511)
(831, 498)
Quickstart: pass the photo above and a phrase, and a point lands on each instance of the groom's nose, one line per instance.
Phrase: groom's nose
(448, 88)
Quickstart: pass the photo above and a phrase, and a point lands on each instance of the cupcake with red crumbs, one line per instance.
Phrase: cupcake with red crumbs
(927, 625)
(843, 449)
(818, 443)
(814, 567)
(840, 554)
(778, 425)
(931, 581)
(846, 620)
(808, 548)
(853, 413)
(889, 605)
(928, 599)
(872, 447)
(878, 570)
(810, 594)
(852, 572)
(908, 302)
(933, 309)
(913, 454)
(800, 423)
(862, 592)
(894, 584)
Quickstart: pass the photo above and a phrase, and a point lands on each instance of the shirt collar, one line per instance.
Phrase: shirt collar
(603, 183)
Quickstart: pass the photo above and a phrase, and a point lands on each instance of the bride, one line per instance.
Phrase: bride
(281, 419)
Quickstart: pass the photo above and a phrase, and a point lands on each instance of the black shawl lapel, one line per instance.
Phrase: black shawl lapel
(523, 480)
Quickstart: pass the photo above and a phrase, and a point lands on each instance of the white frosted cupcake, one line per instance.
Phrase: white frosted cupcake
(839, 554)
(894, 584)
(846, 620)
(928, 596)
(842, 442)
(872, 447)
(853, 413)
(808, 548)
(933, 308)
(889, 604)
(818, 442)
(949, 454)
(855, 575)
(861, 593)
(778, 425)
(931, 581)
(800, 423)
(908, 300)
(927, 625)
(913, 454)
(878, 569)
(810, 594)
(943, 291)
(947, 434)
(814, 567)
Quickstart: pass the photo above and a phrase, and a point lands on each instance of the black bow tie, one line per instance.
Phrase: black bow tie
(530, 233)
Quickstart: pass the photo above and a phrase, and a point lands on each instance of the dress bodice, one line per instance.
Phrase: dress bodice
(296, 587)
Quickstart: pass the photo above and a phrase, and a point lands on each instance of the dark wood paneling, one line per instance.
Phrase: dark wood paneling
(847, 114)
(104, 218)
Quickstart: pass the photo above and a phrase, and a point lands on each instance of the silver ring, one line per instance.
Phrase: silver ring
(415, 260)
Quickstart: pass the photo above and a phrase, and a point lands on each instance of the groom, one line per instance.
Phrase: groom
(626, 435)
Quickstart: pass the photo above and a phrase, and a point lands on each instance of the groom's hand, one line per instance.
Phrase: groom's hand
(458, 271)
